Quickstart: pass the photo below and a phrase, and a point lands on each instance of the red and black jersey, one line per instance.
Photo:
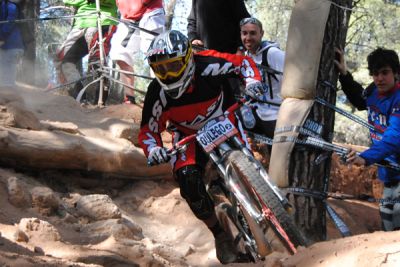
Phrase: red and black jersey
(208, 96)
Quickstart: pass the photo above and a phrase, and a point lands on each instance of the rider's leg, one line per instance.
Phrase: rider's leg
(193, 190)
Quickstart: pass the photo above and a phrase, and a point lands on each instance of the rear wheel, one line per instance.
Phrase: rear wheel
(252, 180)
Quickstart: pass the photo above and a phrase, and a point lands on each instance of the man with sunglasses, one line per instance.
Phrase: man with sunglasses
(270, 60)
(127, 41)
(382, 101)
(189, 91)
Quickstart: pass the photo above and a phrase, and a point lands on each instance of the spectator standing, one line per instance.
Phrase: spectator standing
(215, 24)
(271, 60)
(11, 42)
(127, 41)
(83, 38)
(382, 101)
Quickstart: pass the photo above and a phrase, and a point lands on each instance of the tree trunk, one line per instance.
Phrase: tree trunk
(27, 72)
(304, 170)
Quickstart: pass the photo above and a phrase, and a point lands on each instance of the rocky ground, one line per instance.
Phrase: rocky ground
(74, 218)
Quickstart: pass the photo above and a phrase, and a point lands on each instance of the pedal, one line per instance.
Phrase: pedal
(244, 258)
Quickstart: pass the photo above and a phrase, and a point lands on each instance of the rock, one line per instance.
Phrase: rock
(98, 207)
(120, 229)
(68, 218)
(125, 130)
(38, 250)
(18, 195)
(22, 118)
(45, 200)
(39, 229)
(20, 236)
(67, 127)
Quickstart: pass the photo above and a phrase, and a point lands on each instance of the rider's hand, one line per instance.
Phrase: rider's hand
(254, 90)
(197, 42)
(340, 61)
(158, 155)
(353, 158)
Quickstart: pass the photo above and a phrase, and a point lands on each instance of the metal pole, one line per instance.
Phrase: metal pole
(101, 49)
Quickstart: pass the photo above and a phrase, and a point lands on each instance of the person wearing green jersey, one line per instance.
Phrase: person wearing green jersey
(83, 39)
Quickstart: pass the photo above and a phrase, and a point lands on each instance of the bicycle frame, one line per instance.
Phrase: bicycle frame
(253, 205)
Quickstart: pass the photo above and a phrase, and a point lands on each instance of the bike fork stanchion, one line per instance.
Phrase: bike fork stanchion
(262, 172)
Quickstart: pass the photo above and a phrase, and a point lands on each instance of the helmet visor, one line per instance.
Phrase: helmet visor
(170, 70)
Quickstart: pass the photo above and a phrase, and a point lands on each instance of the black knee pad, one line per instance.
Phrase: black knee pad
(193, 190)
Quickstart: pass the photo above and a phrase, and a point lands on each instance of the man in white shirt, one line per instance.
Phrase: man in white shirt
(270, 60)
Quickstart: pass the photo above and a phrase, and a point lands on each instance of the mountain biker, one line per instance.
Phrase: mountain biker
(188, 91)
(382, 101)
(127, 42)
(268, 55)
(83, 38)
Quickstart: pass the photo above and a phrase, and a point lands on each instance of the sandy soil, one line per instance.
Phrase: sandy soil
(43, 221)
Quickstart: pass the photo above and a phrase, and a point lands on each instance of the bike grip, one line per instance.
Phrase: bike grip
(150, 162)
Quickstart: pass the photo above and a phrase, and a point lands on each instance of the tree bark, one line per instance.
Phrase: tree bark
(304, 171)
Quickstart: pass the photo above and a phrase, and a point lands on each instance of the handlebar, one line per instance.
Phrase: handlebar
(178, 147)
(181, 145)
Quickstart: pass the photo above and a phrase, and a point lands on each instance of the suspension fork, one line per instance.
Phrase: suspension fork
(262, 172)
(234, 185)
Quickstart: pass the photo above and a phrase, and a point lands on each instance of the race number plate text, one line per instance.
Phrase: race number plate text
(211, 136)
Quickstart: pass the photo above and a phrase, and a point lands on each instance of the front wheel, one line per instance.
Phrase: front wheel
(261, 193)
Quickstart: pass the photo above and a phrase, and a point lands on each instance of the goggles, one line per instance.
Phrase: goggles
(171, 69)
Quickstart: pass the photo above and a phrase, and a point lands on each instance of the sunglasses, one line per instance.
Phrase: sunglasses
(250, 20)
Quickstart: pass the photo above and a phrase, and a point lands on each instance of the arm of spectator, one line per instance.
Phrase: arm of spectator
(193, 35)
(390, 142)
(352, 89)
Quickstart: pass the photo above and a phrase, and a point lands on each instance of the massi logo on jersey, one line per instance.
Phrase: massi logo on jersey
(214, 110)
(156, 112)
(216, 69)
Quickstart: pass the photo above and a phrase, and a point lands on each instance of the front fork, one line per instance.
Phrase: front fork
(262, 172)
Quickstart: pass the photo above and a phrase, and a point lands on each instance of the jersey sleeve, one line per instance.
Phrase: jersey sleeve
(353, 91)
(75, 3)
(276, 58)
(225, 64)
(390, 142)
(153, 118)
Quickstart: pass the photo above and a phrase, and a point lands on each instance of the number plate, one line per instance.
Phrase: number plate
(210, 137)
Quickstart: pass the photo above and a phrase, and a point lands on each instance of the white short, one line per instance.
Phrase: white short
(126, 42)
